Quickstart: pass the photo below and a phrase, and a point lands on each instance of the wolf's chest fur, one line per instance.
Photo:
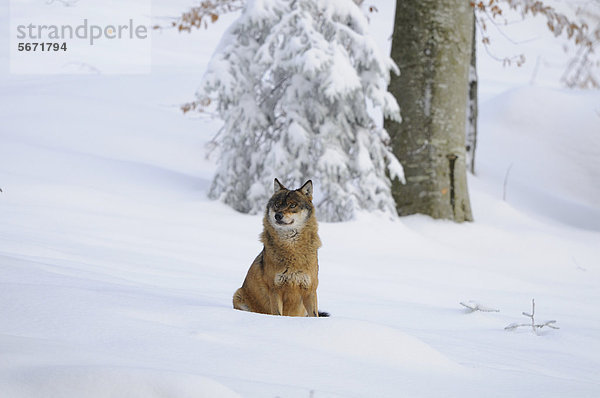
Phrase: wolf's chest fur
(291, 261)
(292, 278)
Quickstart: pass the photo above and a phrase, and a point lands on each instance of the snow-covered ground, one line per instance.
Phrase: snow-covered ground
(116, 272)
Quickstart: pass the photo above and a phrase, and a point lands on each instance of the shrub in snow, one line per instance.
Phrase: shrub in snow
(473, 306)
(534, 326)
(292, 81)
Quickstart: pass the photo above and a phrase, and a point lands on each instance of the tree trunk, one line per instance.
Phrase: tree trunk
(472, 110)
(431, 44)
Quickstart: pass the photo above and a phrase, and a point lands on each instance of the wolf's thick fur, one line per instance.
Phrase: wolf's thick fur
(283, 278)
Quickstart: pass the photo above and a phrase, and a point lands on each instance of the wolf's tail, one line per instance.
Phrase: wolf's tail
(323, 314)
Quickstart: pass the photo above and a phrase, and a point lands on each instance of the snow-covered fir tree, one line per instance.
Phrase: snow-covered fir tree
(293, 81)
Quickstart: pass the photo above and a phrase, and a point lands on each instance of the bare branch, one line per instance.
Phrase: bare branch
(534, 326)
(473, 306)
(506, 182)
(199, 16)
(66, 3)
(582, 69)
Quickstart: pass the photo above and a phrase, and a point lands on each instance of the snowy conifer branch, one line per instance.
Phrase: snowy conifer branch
(473, 306)
(293, 82)
(198, 16)
(534, 326)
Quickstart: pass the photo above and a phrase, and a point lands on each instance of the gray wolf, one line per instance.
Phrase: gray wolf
(283, 278)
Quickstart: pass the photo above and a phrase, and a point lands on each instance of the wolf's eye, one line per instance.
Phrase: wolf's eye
(292, 205)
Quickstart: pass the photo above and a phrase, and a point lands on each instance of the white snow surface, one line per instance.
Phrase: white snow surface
(116, 272)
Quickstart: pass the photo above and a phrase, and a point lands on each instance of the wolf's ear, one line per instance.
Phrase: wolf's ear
(307, 189)
(278, 186)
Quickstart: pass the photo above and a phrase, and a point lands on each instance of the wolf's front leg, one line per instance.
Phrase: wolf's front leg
(276, 303)
(310, 303)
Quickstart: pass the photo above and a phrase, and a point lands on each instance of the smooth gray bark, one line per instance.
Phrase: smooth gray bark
(472, 110)
(431, 44)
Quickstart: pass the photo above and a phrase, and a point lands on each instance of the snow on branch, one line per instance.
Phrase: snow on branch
(473, 306)
(293, 82)
(534, 326)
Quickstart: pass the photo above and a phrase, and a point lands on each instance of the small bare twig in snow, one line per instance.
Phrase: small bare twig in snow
(65, 3)
(506, 182)
(473, 306)
(534, 326)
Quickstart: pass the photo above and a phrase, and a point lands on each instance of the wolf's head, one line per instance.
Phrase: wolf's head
(288, 210)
